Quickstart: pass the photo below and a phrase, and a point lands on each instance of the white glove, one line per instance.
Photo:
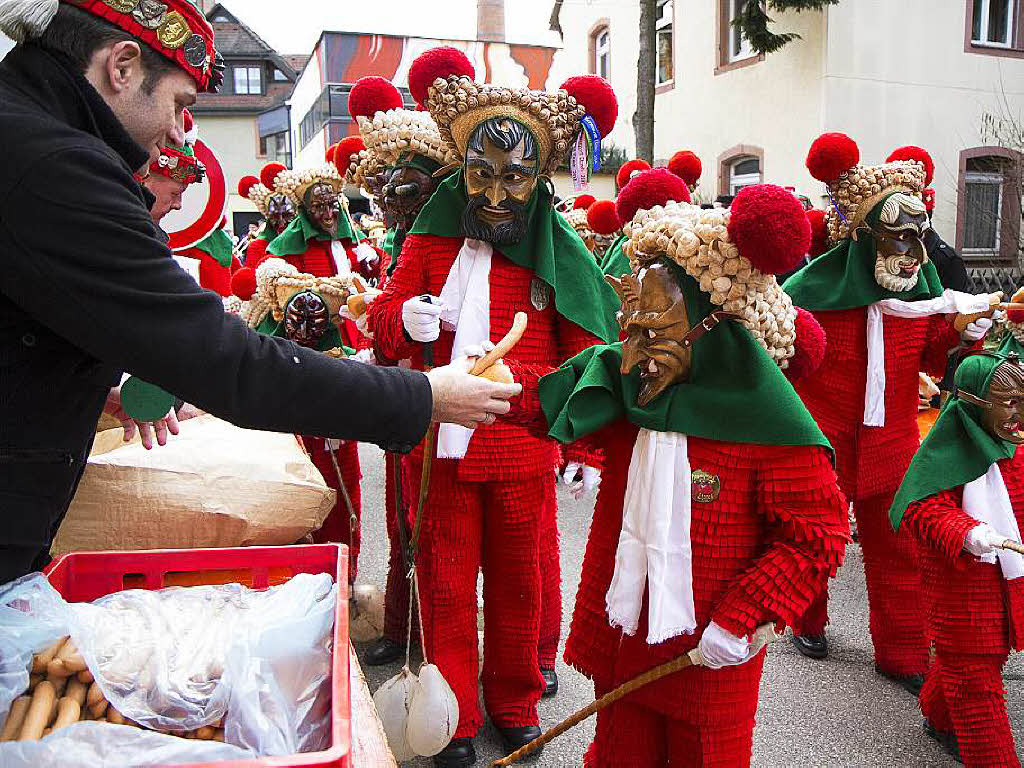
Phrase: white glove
(365, 254)
(983, 540)
(365, 356)
(720, 648)
(422, 320)
(477, 350)
(977, 329)
(590, 478)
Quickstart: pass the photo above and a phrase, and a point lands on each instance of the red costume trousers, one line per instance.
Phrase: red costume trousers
(336, 527)
(494, 525)
(893, 576)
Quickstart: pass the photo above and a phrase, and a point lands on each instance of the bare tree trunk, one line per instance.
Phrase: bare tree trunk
(643, 118)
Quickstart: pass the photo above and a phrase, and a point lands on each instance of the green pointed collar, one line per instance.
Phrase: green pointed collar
(219, 247)
(296, 236)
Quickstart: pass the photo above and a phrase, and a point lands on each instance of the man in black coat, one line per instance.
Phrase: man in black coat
(89, 290)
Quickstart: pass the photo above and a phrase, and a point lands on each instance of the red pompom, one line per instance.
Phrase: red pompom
(809, 350)
(371, 95)
(187, 121)
(1015, 315)
(648, 189)
(583, 201)
(329, 154)
(929, 199)
(830, 155)
(595, 94)
(603, 218)
(915, 153)
(819, 232)
(245, 185)
(243, 283)
(443, 61)
(686, 166)
(770, 228)
(343, 151)
(269, 173)
(628, 169)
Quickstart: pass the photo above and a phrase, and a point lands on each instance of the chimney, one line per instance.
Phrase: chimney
(490, 21)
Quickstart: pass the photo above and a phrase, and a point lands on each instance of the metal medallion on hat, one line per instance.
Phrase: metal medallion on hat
(149, 13)
(705, 486)
(195, 51)
(540, 294)
(173, 30)
(122, 6)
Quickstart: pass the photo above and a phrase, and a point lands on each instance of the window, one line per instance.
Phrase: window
(275, 148)
(279, 76)
(248, 81)
(665, 17)
(744, 171)
(993, 22)
(739, 46)
(989, 205)
(602, 52)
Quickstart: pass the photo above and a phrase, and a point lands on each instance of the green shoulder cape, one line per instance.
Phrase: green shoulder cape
(550, 248)
(958, 449)
(615, 263)
(292, 241)
(735, 392)
(332, 339)
(219, 246)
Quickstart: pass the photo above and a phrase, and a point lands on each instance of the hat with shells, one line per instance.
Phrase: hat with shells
(258, 191)
(733, 254)
(278, 282)
(294, 184)
(442, 80)
(856, 189)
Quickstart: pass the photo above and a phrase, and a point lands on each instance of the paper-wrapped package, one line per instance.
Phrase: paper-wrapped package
(213, 485)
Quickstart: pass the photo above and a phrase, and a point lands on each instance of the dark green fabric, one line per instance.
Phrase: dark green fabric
(219, 247)
(735, 392)
(144, 401)
(958, 449)
(393, 242)
(615, 263)
(293, 240)
(550, 248)
(270, 327)
(418, 161)
(1010, 344)
(267, 233)
(844, 277)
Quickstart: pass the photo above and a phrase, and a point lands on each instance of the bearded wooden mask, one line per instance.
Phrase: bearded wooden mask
(404, 191)
(306, 319)
(900, 251)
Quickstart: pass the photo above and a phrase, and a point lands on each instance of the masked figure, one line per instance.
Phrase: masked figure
(887, 317)
(962, 497)
(710, 522)
(486, 245)
(277, 210)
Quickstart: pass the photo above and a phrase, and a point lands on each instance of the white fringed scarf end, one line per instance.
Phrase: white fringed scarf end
(22, 20)
(987, 501)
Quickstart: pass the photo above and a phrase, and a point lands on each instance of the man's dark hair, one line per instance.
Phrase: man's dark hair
(78, 35)
(505, 133)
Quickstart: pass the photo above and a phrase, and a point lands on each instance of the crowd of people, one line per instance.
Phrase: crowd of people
(495, 340)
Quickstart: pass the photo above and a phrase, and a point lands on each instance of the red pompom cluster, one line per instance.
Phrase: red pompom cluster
(819, 232)
(329, 154)
(245, 185)
(187, 121)
(648, 189)
(443, 61)
(830, 155)
(1015, 315)
(628, 169)
(770, 228)
(595, 94)
(243, 283)
(686, 165)
(269, 173)
(583, 201)
(603, 218)
(343, 151)
(809, 350)
(911, 152)
(371, 95)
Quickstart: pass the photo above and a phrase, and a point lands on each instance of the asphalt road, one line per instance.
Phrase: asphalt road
(812, 714)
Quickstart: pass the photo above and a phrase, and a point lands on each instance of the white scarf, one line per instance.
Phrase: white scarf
(341, 261)
(874, 388)
(654, 544)
(987, 501)
(466, 307)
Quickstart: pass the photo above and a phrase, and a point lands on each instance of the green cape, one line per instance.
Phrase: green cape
(270, 327)
(615, 263)
(292, 241)
(550, 248)
(844, 277)
(1010, 344)
(735, 392)
(219, 246)
(958, 449)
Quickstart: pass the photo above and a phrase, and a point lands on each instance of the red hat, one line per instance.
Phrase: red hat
(770, 228)
(444, 62)
(597, 97)
(830, 155)
(648, 189)
(583, 201)
(371, 95)
(628, 169)
(915, 153)
(270, 173)
(344, 150)
(180, 164)
(603, 218)
(245, 185)
(687, 166)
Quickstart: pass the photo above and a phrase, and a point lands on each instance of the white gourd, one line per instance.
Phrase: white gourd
(433, 713)
(392, 701)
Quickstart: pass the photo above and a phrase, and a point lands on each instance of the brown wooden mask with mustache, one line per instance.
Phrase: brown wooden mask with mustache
(1002, 409)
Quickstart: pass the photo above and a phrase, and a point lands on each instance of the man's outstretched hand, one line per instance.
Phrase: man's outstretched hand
(460, 398)
(168, 424)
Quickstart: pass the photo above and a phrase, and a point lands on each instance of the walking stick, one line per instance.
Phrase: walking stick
(1013, 546)
(765, 634)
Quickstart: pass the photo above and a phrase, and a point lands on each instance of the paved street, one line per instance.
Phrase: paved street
(832, 713)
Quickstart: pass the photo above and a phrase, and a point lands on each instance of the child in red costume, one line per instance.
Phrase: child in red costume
(886, 317)
(709, 522)
(963, 496)
(487, 245)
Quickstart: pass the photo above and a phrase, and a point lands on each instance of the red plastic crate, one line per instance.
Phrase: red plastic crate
(85, 576)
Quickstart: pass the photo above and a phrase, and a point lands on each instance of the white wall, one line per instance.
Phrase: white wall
(235, 142)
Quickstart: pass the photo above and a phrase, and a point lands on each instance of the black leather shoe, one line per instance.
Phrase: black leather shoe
(550, 681)
(811, 647)
(946, 739)
(911, 683)
(514, 738)
(458, 754)
(384, 651)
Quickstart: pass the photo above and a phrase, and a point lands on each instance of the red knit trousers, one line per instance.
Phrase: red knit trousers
(897, 616)
(964, 694)
(493, 525)
(336, 527)
(550, 581)
(396, 593)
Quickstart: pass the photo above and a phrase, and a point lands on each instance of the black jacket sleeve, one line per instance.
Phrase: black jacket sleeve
(84, 261)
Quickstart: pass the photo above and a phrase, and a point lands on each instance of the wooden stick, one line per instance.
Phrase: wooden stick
(503, 347)
(1013, 546)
